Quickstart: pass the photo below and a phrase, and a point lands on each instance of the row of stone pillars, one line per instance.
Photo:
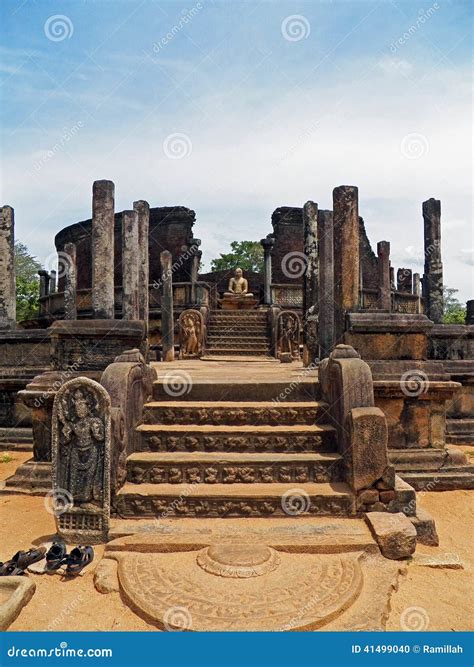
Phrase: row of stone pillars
(135, 262)
(332, 282)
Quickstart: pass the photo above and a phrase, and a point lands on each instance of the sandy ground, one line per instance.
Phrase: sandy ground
(442, 598)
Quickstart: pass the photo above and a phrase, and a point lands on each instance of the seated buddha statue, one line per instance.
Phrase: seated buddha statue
(238, 286)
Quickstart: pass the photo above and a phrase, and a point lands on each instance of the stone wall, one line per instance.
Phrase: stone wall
(170, 229)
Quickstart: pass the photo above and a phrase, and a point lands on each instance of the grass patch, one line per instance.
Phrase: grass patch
(6, 458)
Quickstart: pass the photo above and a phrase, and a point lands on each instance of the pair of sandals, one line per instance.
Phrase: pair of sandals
(75, 561)
(57, 556)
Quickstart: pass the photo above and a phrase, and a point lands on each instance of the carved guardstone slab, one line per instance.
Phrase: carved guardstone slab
(81, 437)
(191, 334)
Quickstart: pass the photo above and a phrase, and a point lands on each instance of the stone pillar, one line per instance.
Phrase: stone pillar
(326, 283)
(7, 269)
(392, 278)
(70, 282)
(167, 318)
(404, 280)
(470, 311)
(130, 259)
(416, 284)
(44, 283)
(383, 254)
(196, 260)
(433, 278)
(103, 250)
(267, 244)
(310, 283)
(52, 282)
(346, 255)
(143, 210)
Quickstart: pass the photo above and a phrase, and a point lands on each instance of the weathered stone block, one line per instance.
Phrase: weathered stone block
(395, 534)
(368, 444)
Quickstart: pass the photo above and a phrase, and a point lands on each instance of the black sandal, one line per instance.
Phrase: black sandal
(55, 557)
(23, 559)
(20, 561)
(9, 569)
(78, 559)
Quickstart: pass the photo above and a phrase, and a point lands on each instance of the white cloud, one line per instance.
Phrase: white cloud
(256, 149)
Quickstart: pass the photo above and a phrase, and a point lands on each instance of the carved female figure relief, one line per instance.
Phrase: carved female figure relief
(288, 332)
(191, 333)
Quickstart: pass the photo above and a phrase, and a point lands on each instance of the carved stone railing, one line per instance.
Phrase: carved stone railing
(185, 295)
(361, 429)
(403, 302)
(287, 296)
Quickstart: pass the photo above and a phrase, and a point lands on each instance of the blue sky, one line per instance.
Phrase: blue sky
(244, 107)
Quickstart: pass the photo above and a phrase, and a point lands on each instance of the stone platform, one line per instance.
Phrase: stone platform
(247, 575)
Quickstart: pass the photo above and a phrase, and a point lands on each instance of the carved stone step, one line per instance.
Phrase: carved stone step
(224, 500)
(235, 413)
(439, 481)
(212, 468)
(237, 336)
(417, 459)
(223, 343)
(238, 351)
(191, 438)
(179, 385)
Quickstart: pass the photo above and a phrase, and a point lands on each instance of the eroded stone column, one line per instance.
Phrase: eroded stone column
(383, 254)
(7, 269)
(433, 278)
(195, 262)
(52, 282)
(70, 282)
(103, 223)
(346, 254)
(417, 290)
(326, 283)
(143, 210)
(310, 283)
(167, 317)
(130, 266)
(404, 280)
(44, 283)
(267, 244)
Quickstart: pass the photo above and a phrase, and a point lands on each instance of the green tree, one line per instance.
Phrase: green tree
(248, 255)
(453, 310)
(27, 283)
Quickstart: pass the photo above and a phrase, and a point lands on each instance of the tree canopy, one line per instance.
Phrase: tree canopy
(248, 255)
(27, 283)
(453, 310)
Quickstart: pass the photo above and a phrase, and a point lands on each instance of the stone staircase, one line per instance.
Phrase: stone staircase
(206, 454)
(238, 333)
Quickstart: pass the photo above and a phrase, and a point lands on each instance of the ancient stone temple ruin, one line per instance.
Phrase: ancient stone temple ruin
(308, 403)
